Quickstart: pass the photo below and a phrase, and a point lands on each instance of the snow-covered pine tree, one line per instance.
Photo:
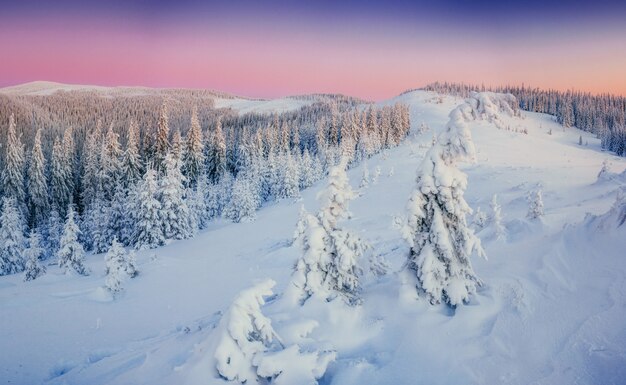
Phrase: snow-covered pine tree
(175, 217)
(60, 187)
(243, 201)
(91, 166)
(216, 153)
(290, 172)
(118, 226)
(177, 145)
(535, 205)
(12, 241)
(307, 171)
(193, 158)
(54, 229)
(441, 242)
(300, 226)
(162, 144)
(148, 228)
(495, 218)
(376, 175)
(131, 264)
(110, 166)
(330, 254)
(96, 224)
(131, 161)
(115, 263)
(38, 204)
(197, 202)
(365, 177)
(71, 255)
(33, 254)
(13, 167)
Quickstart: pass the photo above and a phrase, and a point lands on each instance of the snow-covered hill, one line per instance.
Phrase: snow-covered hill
(551, 311)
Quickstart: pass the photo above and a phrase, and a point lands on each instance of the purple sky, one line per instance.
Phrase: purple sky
(271, 48)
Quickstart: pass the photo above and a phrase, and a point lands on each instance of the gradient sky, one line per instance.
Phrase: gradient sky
(269, 48)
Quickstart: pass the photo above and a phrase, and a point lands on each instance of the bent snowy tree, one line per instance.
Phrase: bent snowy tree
(436, 228)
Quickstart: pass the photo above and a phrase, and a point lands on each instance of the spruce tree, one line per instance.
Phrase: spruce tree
(441, 243)
(162, 143)
(131, 161)
(60, 185)
(193, 159)
(13, 170)
(12, 241)
(535, 205)
(146, 214)
(115, 263)
(38, 203)
(175, 216)
(71, 255)
(33, 254)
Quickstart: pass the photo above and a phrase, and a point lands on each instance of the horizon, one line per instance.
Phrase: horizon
(367, 50)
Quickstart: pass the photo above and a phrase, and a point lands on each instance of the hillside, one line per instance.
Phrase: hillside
(551, 309)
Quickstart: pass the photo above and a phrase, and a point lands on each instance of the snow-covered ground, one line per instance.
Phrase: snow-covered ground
(244, 106)
(552, 310)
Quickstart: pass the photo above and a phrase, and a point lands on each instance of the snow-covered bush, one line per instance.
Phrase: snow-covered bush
(535, 205)
(376, 175)
(480, 219)
(249, 350)
(441, 242)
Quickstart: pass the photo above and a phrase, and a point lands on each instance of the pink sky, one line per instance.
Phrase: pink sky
(273, 60)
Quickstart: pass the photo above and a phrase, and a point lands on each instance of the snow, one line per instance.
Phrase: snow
(244, 106)
(551, 310)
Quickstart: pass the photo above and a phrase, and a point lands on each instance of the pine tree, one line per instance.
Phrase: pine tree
(329, 265)
(115, 263)
(33, 254)
(12, 241)
(193, 160)
(175, 216)
(365, 177)
(441, 242)
(243, 202)
(495, 218)
(54, 230)
(198, 202)
(60, 186)
(290, 184)
(91, 167)
(118, 226)
(377, 172)
(96, 224)
(535, 205)
(148, 231)
(110, 166)
(216, 159)
(38, 204)
(13, 169)
(71, 255)
(307, 171)
(177, 145)
(162, 144)
(131, 161)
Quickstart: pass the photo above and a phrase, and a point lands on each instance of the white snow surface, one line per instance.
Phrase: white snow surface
(244, 106)
(552, 309)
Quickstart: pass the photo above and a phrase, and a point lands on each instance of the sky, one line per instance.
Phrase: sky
(271, 48)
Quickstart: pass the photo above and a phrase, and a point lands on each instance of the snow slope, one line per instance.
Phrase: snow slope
(552, 309)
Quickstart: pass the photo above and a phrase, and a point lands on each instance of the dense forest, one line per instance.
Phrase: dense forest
(603, 115)
(82, 171)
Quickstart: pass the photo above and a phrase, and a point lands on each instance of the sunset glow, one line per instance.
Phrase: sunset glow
(374, 53)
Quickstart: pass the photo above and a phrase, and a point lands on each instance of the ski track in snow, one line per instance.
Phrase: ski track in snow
(551, 311)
